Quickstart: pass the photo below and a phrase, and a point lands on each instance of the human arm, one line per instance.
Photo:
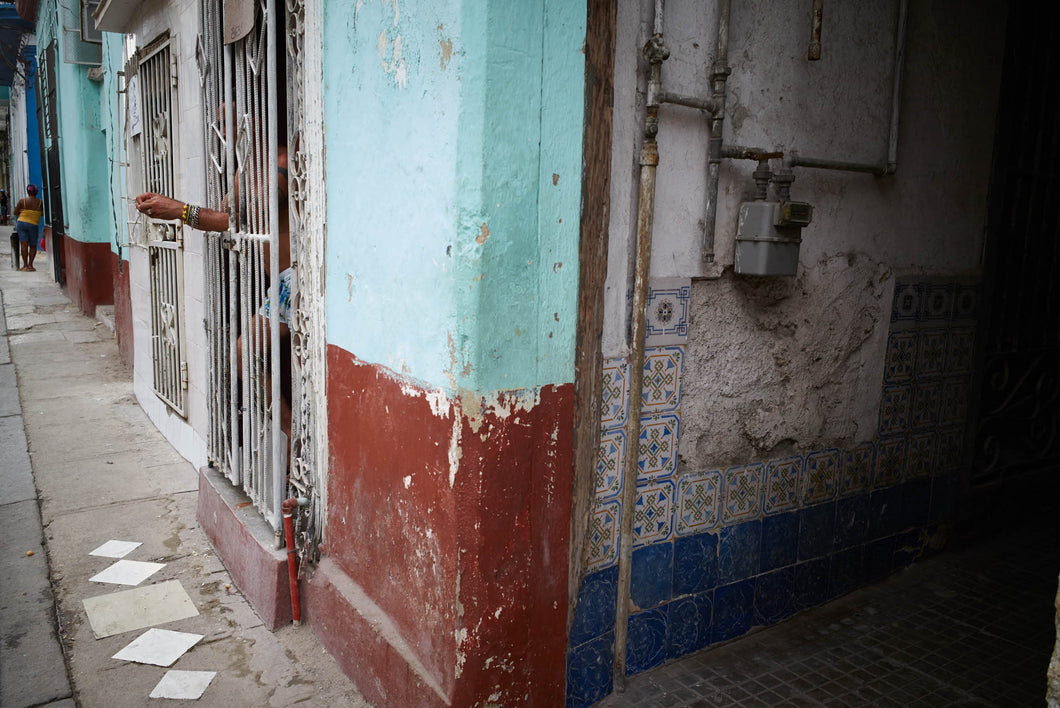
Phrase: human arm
(160, 207)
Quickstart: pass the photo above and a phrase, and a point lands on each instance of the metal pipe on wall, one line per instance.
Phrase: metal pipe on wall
(655, 52)
(719, 76)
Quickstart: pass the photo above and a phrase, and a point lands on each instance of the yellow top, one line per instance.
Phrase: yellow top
(31, 216)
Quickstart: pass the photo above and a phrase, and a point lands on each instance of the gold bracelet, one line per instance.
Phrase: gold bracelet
(184, 213)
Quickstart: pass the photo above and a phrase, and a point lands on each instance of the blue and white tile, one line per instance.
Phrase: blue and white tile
(604, 534)
(938, 303)
(931, 354)
(782, 484)
(657, 458)
(920, 455)
(901, 357)
(960, 352)
(856, 475)
(610, 464)
(653, 513)
(615, 393)
(924, 413)
(966, 303)
(698, 499)
(890, 462)
(894, 410)
(666, 314)
(743, 491)
(953, 408)
(905, 308)
(663, 367)
(821, 476)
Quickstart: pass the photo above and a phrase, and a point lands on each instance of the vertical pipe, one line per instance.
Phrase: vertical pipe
(814, 52)
(655, 52)
(719, 77)
(896, 92)
(279, 475)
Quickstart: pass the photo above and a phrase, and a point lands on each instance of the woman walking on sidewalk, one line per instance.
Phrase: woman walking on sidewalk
(29, 211)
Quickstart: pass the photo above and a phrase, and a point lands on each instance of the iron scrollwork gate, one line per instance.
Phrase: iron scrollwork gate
(245, 266)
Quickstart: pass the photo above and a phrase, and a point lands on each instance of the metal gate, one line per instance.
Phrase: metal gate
(251, 408)
(1018, 425)
(165, 246)
(48, 127)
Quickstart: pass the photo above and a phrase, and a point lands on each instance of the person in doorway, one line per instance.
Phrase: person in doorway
(28, 212)
(5, 205)
(158, 206)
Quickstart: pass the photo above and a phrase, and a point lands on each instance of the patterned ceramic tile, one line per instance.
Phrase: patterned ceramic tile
(698, 497)
(653, 513)
(925, 408)
(961, 351)
(666, 314)
(856, 476)
(890, 462)
(901, 357)
(954, 405)
(782, 484)
(662, 379)
(938, 302)
(610, 463)
(604, 534)
(931, 355)
(742, 493)
(657, 457)
(894, 410)
(950, 449)
(920, 455)
(966, 303)
(906, 306)
(615, 387)
(820, 476)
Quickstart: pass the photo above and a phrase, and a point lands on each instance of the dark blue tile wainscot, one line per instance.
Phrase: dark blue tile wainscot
(651, 575)
(885, 512)
(695, 563)
(733, 610)
(690, 621)
(595, 612)
(590, 671)
(816, 531)
(812, 583)
(851, 521)
(780, 540)
(848, 572)
(647, 641)
(775, 596)
(738, 551)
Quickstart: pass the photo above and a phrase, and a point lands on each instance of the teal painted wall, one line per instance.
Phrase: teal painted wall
(111, 125)
(454, 179)
(85, 186)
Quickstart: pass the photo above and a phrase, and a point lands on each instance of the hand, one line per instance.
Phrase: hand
(158, 207)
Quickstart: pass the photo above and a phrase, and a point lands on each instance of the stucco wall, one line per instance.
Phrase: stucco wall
(453, 136)
(181, 19)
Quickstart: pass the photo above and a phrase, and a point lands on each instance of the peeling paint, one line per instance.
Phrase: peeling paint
(455, 451)
(555, 179)
(407, 481)
(483, 234)
(446, 45)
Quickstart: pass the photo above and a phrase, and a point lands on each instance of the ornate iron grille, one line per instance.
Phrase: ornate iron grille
(164, 238)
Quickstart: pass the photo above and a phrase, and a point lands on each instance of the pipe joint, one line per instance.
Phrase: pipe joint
(655, 50)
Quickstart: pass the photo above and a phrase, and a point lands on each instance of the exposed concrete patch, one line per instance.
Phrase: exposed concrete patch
(779, 360)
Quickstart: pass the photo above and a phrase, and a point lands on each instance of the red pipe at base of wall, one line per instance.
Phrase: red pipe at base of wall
(288, 507)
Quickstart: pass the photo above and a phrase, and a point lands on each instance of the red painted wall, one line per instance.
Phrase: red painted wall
(88, 274)
(483, 558)
(123, 322)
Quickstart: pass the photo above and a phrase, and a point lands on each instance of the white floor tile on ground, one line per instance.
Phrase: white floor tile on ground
(115, 549)
(138, 608)
(187, 685)
(127, 572)
(160, 647)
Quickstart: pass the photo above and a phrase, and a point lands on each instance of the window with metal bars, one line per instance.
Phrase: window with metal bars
(165, 248)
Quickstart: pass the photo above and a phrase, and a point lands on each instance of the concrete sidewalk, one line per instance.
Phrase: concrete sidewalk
(101, 471)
